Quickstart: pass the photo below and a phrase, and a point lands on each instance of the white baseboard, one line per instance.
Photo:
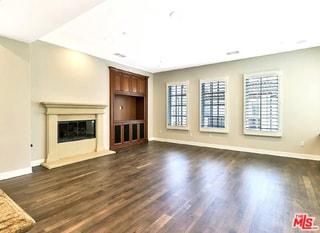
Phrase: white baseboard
(35, 163)
(20, 172)
(242, 149)
(15, 173)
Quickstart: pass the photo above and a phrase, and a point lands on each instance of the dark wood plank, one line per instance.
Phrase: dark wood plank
(163, 187)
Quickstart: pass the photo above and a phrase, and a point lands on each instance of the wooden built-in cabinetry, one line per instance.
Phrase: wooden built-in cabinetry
(128, 108)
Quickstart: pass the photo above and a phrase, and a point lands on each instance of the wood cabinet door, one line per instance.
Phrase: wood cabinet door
(121, 82)
(137, 85)
(134, 85)
(141, 86)
(117, 82)
(125, 83)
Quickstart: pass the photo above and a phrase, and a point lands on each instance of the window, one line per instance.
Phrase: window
(213, 105)
(262, 110)
(177, 105)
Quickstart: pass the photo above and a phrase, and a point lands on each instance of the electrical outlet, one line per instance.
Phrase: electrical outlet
(302, 143)
(190, 134)
(160, 131)
(210, 135)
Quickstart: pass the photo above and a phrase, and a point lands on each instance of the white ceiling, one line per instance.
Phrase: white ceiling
(161, 35)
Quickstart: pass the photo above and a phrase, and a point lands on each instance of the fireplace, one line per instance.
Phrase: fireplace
(69, 131)
(74, 133)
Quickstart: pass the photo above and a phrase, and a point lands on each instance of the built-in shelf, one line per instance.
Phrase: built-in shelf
(128, 108)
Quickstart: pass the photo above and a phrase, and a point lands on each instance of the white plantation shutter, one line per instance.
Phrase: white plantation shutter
(213, 105)
(177, 105)
(262, 104)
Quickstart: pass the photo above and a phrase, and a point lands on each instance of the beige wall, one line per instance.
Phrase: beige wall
(301, 102)
(15, 121)
(40, 72)
(63, 75)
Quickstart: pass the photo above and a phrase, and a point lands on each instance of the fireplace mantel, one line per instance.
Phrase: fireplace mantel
(59, 154)
(73, 108)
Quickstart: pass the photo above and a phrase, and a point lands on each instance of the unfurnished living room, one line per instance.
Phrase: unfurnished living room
(123, 116)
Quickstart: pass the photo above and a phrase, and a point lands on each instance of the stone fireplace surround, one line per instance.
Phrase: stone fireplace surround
(59, 154)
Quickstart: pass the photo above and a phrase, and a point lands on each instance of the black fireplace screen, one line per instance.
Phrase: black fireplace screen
(76, 130)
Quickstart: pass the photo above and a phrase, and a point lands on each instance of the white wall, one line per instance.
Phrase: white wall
(301, 103)
(63, 75)
(15, 121)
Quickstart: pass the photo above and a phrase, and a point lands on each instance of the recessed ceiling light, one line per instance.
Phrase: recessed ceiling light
(119, 55)
(174, 15)
(233, 52)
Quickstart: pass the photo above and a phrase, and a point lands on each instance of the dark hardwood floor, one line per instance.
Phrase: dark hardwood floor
(163, 187)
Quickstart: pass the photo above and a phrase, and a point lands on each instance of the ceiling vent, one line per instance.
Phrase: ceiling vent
(119, 55)
(233, 52)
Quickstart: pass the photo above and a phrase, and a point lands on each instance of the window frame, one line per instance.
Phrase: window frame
(168, 84)
(226, 115)
(261, 132)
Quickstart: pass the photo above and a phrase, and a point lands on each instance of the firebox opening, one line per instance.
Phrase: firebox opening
(76, 130)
